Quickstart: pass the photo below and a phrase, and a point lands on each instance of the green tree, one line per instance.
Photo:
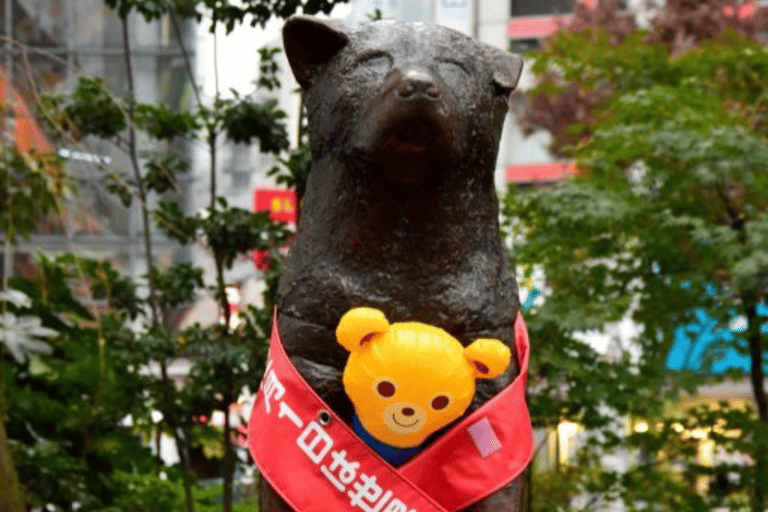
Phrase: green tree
(668, 216)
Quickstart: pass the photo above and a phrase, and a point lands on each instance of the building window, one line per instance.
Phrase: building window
(540, 7)
(522, 46)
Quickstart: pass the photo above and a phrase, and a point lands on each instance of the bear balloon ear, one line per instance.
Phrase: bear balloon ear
(507, 73)
(359, 325)
(488, 357)
(309, 43)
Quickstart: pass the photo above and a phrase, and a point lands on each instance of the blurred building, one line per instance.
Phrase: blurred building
(54, 41)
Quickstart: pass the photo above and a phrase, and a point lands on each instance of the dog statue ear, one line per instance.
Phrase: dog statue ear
(359, 325)
(309, 43)
(489, 358)
(507, 72)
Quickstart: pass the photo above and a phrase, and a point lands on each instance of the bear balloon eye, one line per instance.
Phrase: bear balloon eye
(440, 402)
(385, 388)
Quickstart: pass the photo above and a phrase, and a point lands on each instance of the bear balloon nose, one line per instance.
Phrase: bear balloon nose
(417, 82)
(407, 411)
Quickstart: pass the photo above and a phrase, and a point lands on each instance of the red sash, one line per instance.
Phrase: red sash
(317, 464)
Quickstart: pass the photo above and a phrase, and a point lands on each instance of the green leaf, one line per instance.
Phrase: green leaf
(162, 123)
(231, 231)
(34, 186)
(162, 170)
(117, 184)
(171, 218)
(244, 120)
(91, 109)
(177, 284)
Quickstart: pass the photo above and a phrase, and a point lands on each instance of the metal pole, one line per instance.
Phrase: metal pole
(69, 31)
(9, 140)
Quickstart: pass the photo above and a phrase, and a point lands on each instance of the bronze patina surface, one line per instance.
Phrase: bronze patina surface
(400, 211)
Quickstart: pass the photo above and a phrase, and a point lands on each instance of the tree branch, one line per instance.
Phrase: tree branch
(132, 152)
(184, 54)
(736, 220)
(754, 339)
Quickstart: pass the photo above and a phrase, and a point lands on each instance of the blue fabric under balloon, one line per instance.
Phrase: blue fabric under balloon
(395, 456)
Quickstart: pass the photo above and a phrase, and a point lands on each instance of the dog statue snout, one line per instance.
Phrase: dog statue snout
(417, 82)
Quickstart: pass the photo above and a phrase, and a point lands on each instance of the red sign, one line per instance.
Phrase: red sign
(316, 462)
(547, 172)
(535, 27)
(281, 205)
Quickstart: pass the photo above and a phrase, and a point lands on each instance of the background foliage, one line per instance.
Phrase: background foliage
(666, 218)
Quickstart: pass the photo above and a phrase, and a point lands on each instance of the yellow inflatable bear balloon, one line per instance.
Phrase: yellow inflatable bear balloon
(407, 380)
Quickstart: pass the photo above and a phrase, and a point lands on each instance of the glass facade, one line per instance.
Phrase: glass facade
(59, 40)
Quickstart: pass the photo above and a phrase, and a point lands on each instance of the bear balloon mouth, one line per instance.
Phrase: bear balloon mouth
(403, 424)
(404, 418)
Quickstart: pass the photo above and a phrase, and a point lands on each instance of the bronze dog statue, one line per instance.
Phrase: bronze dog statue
(400, 211)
